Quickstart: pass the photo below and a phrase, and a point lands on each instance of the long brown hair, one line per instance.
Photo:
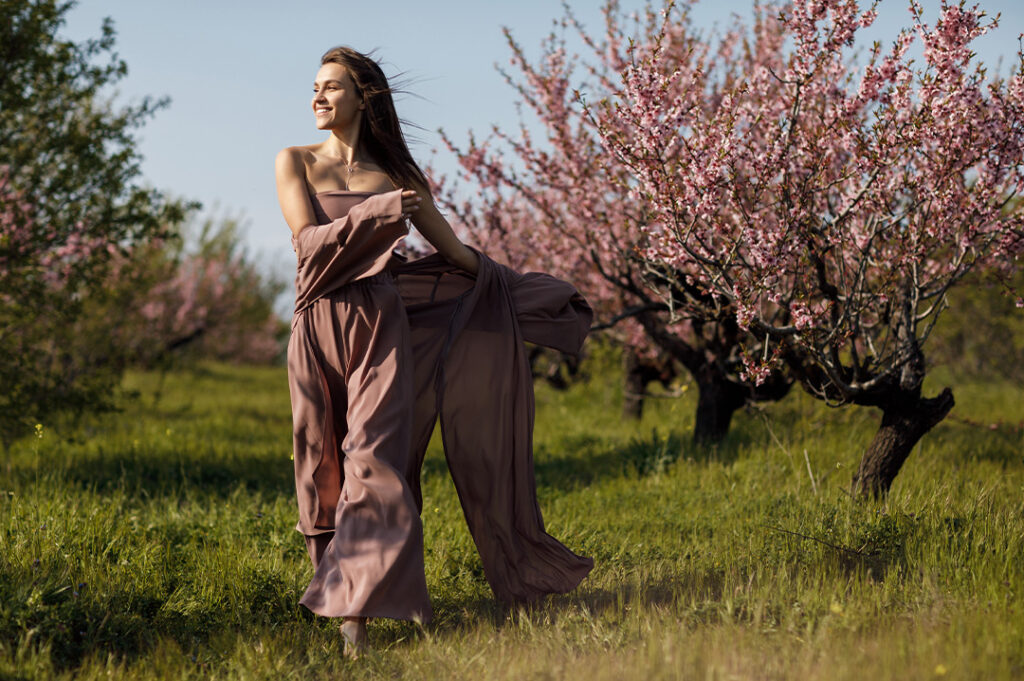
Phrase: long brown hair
(380, 135)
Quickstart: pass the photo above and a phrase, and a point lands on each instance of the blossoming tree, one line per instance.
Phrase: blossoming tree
(70, 201)
(555, 204)
(832, 206)
(208, 300)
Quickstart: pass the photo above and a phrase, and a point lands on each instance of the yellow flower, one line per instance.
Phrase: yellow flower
(940, 670)
(39, 430)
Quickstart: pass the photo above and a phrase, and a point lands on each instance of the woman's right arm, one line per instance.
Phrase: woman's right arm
(290, 173)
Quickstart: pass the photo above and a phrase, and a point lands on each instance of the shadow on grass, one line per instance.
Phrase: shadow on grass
(590, 602)
(154, 473)
(70, 627)
(576, 461)
(583, 460)
(73, 621)
(572, 461)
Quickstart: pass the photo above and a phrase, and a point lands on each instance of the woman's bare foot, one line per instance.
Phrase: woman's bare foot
(353, 632)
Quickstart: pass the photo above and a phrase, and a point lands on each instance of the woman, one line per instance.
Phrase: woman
(368, 381)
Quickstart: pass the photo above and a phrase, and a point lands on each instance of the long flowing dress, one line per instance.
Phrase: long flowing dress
(378, 354)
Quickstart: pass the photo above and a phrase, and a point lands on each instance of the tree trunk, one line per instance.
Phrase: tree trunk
(637, 374)
(718, 398)
(904, 422)
(634, 385)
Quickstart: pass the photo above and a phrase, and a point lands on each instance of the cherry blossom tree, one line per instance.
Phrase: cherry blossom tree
(555, 204)
(35, 356)
(832, 205)
(208, 300)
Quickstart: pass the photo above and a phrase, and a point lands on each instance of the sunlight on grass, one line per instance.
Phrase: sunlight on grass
(157, 542)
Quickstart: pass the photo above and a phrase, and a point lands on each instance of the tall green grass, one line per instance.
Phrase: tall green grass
(157, 542)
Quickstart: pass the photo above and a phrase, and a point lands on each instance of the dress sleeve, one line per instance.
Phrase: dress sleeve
(550, 312)
(352, 247)
(362, 219)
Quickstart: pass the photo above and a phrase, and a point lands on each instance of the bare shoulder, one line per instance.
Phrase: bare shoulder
(291, 167)
(293, 158)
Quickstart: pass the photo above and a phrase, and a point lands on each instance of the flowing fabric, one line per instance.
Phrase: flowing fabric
(370, 372)
(471, 369)
(350, 379)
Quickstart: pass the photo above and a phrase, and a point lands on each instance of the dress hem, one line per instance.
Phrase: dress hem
(372, 614)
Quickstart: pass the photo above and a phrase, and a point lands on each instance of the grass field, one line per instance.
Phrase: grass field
(157, 542)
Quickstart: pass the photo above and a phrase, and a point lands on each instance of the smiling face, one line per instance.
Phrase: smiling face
(336, 102)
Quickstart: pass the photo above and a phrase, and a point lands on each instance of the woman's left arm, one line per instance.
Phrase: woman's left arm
(435, 229)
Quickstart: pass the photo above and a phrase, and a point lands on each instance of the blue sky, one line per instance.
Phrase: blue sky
(239, 77)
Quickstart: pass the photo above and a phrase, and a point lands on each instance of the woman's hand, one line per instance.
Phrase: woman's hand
(410, 203)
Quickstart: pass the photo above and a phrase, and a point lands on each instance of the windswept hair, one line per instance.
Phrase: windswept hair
(380, 135)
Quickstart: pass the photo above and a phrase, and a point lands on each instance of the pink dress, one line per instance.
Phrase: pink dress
(374, 360)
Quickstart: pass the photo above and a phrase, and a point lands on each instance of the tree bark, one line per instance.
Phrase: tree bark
(637, 374)
(559, 369)
(719, 394)
(718, 398)
(904, 422)
(633, 386)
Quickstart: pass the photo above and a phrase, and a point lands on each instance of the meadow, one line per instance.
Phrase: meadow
(156, 542)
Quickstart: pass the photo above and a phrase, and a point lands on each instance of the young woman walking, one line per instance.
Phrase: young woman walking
(381, 349)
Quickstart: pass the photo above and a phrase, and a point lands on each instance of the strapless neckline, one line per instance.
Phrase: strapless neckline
(347, 191)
